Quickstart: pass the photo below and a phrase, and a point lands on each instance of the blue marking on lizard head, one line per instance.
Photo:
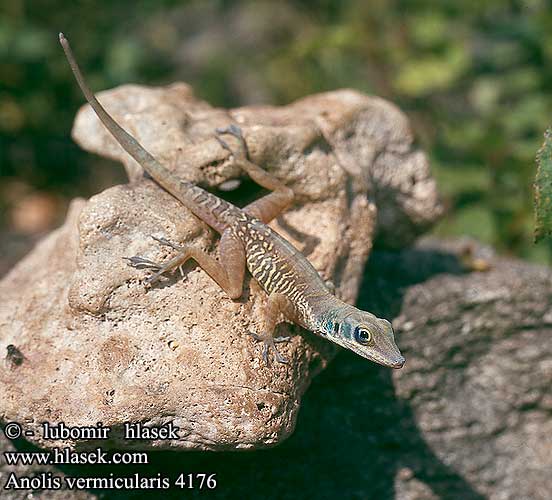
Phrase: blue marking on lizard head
(364, 334)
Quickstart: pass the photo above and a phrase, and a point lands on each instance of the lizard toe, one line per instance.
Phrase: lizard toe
(142, 263)
(269, 344)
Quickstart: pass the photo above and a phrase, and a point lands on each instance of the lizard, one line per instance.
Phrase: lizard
(294, 287)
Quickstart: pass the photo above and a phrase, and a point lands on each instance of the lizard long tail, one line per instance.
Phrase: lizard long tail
(161, 175)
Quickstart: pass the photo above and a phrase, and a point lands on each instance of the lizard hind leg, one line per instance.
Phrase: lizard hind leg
(270, 206)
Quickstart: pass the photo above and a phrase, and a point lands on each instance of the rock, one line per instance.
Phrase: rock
(368, 432)
(98, 347)
(479, 370)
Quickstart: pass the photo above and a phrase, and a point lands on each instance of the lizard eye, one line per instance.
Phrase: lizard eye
(336, 328)
(362, 335)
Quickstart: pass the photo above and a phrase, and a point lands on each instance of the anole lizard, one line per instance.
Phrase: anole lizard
(294, 287)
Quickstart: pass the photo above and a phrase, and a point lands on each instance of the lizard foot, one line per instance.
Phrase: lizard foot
(160, 269)
(142, 263)
(235, 131)
(270, 344)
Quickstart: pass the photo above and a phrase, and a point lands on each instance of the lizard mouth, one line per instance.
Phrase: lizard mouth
(396, 360)
(398, 364)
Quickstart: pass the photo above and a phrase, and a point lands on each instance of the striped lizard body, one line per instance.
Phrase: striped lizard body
(294, 287)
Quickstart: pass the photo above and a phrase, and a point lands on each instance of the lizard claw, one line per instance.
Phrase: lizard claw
(223, 143)
(269, 343)
(142, 263)
(159, 269)
(168, 243)
(235, 131)
(232, 130)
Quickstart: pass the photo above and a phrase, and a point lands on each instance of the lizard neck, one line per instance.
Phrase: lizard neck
(325, 312)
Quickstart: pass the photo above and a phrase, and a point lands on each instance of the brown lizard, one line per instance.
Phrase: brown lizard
(294, 287)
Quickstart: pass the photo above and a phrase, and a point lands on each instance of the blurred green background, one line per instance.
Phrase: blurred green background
(475, 78)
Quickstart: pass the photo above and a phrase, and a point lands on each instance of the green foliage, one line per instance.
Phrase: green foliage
(474, 77)
(543, 189)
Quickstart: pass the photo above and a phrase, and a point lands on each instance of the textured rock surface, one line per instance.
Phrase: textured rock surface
(467, 418)
(479, 371)
(99, 348)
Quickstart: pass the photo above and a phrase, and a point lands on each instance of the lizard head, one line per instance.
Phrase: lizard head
(365, 334)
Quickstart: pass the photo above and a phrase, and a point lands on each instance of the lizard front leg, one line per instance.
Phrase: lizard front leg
(228, 273)
(277, 304)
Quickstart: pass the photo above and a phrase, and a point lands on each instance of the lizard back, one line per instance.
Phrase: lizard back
(279, 267)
